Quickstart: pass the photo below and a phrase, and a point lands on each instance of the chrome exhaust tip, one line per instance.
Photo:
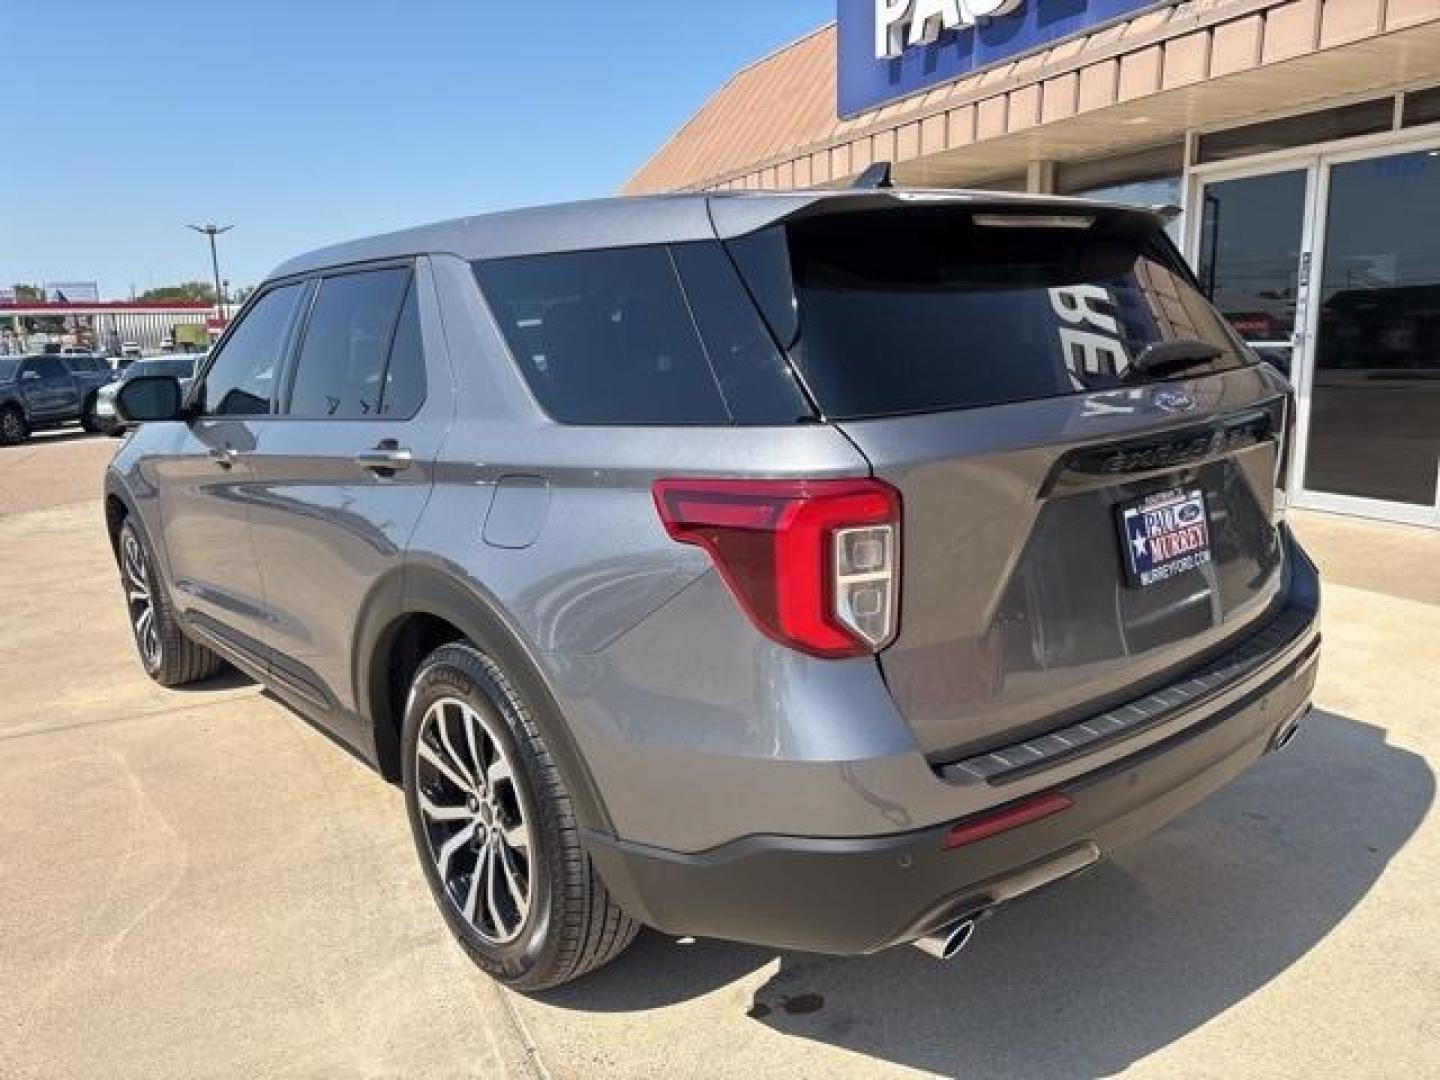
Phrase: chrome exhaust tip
(1286, 732)
(946, 942)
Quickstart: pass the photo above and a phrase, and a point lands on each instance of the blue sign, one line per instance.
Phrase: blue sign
(893, 48)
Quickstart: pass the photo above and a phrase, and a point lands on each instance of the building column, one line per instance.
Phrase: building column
(1040, 178)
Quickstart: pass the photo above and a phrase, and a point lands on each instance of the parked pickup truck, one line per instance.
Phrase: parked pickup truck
(46, 391)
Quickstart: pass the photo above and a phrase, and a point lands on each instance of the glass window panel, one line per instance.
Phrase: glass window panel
(930, 309)
(604, 337)
(242, 380)
(1375, 398)
(1251, 232)
(340, 373)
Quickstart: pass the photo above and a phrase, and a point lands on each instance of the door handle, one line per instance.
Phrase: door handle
(385, 459)
(224, 456)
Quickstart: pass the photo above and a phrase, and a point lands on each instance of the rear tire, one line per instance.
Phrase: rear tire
(168, 656)
(13, 428)
(482, 792)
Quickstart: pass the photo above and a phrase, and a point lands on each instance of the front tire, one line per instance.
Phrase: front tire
(168, 656)
(88, 420)
(13, 428)
(495, 829)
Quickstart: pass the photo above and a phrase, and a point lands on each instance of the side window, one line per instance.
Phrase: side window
(604, 337)
(405, 373)
(341, 369)
(241, 382)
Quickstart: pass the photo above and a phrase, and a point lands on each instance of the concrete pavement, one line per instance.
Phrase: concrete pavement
(196, 883)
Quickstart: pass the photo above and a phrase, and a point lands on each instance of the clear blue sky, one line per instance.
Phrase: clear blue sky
(310, 121)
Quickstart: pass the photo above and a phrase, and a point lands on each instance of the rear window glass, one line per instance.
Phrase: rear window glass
(922, 310)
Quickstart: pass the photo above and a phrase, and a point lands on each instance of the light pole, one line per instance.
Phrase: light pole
(212, 230)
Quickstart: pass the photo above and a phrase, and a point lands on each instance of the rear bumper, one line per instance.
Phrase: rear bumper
(859, 895)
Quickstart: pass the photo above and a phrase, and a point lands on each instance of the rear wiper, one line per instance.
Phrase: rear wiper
(1174, 355)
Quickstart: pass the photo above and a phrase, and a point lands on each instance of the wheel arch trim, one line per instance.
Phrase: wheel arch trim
(425, 590)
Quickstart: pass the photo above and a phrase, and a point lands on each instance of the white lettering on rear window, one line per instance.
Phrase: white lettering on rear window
(1093, 351)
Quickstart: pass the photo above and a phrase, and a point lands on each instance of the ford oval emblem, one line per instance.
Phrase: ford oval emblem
(1188, 513)
(1173, 401)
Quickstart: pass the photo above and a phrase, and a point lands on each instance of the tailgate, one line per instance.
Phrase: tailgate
(1086, 453)
(1020, 609)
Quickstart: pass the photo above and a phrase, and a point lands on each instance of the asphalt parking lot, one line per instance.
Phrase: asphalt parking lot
(196, 883)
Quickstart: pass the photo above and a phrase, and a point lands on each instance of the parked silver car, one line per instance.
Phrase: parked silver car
(182, 367)
(823, 570)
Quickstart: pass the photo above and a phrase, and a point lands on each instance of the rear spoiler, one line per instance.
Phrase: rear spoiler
(739, 214)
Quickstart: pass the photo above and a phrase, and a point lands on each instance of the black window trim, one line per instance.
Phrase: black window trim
(412, 285)
(315, 280)
(695, 329)
(295, 334)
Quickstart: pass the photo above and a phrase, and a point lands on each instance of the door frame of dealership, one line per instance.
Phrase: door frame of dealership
(1316, 159)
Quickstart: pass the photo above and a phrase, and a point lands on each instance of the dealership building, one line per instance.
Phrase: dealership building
(1299, 140)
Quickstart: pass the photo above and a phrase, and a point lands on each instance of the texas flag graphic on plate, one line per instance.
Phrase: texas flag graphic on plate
(1164, 535)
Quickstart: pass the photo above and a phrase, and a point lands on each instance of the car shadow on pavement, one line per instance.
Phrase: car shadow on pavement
(1106, 968)
(52, 437)
(227, 678)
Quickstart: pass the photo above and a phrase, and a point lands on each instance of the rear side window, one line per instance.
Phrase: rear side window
(604, 337)
(340, 373)
(241, 382)
(928, 309)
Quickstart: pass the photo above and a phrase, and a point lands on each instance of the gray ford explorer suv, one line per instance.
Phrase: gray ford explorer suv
(822, 570)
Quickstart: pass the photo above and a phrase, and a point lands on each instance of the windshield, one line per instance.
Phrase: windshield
(180, 369)
(8, 366)
(927, 309)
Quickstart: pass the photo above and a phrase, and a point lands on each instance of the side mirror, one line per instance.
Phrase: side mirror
(149, 398)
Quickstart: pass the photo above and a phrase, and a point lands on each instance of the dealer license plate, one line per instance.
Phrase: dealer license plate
(1165, 534)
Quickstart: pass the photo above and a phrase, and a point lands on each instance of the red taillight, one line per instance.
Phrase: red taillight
(1007, 817)
(814, 563)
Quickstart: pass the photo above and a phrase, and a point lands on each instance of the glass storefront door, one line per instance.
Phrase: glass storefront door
(1252, 240)
(1374, 425)
(1328, 264)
